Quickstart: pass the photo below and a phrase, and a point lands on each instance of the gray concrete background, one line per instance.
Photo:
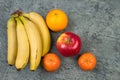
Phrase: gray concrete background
(97, 22)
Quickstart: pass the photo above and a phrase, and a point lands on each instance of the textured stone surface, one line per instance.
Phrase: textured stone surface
(96, 21)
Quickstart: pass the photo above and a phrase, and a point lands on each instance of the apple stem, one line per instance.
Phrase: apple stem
(68, 40)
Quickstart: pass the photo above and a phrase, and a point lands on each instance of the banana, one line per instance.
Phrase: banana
(44, 31)
(35, 43)
(23, 46)
(12, 41)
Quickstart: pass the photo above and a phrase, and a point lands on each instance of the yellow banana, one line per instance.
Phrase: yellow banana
(44, 31)
(23, 46)
(12, 41)
(35, 43)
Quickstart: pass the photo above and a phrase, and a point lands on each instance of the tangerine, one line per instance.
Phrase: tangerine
(51, 62)
(87, 61)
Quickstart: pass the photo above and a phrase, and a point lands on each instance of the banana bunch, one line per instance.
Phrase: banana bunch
(28, 40)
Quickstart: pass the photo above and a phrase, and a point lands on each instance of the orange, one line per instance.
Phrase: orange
(51, 62)
(87, 61)
(56, 20)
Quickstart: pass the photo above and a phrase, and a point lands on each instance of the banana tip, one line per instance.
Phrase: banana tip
(19, 69)
(10, 64)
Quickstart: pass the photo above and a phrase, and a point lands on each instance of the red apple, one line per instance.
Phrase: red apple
(68, 44)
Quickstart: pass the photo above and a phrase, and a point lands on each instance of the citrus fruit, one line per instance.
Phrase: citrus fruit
(56, 20)
(87, 61)
(51, 62)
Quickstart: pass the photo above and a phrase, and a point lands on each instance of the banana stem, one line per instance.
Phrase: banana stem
(16, 13)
